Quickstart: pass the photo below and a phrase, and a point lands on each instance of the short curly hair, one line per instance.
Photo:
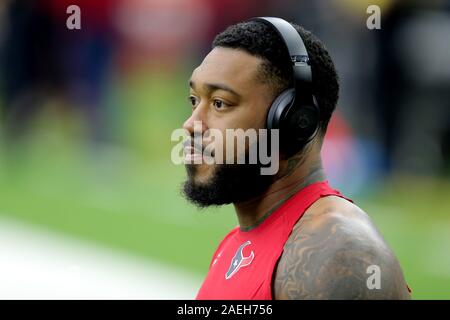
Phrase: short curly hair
(262, 41)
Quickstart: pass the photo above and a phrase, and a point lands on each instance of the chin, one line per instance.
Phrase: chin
(217, 185)
(200, 174)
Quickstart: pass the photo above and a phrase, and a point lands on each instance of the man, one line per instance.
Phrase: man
(297, 237)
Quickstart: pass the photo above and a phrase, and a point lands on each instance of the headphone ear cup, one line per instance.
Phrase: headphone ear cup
(279, 107)
(297, 124)
(300, 125)
(303, 123)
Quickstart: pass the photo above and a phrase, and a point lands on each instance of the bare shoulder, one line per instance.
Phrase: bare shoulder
(335, 252)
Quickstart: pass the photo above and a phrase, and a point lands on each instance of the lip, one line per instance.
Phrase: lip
(189, 150)
(192, 155)
(193, 143)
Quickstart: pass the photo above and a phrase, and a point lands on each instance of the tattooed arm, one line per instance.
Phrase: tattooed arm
(329, 253)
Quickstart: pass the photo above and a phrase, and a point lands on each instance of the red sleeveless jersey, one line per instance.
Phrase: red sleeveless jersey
(243, 265)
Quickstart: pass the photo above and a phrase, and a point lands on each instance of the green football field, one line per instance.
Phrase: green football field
(128, 197)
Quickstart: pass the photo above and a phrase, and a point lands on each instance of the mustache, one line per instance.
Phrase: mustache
(190, 142)
(198, 146)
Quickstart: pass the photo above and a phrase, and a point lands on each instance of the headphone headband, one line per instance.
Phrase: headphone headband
(295, 46)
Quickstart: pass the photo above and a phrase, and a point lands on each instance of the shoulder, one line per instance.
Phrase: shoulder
(335, 252)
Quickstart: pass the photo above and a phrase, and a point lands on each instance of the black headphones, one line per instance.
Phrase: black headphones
(294, 112)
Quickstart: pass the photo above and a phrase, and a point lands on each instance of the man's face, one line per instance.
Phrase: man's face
(226, 93)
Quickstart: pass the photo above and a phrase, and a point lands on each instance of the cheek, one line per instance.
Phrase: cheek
(250, 115)
(254, 116)
(236, 139)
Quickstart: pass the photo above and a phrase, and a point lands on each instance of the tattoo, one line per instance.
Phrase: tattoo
(294, 162)
(327, 257)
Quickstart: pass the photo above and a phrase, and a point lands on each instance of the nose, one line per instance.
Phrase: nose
(197, 121)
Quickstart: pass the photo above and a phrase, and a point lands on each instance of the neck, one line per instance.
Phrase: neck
(295, 174)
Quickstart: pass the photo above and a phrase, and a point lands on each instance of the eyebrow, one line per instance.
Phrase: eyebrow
(216, 86)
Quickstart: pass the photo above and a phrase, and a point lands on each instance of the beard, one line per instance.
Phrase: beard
(229, 183)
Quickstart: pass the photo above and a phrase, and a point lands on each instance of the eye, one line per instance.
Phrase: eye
(193, 100)
(219, 104)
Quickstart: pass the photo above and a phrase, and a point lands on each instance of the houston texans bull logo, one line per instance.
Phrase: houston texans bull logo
(239, 260)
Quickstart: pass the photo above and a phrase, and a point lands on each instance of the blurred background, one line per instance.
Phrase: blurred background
(90, 205)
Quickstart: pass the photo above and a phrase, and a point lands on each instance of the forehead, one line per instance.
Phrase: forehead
(229, 66)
